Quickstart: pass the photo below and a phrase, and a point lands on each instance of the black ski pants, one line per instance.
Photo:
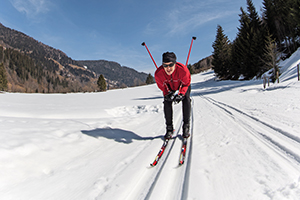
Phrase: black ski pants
(186, 109)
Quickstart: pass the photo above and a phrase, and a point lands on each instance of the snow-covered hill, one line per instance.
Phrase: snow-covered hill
(245, 143)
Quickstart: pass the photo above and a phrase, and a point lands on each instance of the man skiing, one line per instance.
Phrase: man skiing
(169, 77)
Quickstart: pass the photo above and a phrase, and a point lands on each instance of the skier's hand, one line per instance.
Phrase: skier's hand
(178, 98)
(170, 96)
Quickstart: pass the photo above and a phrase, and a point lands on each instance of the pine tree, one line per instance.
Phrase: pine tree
(191, 69)
(3, 80)
(241, 45)
(250, 43)
(101, 83)
(295, 21)
(221, 54)
(259, 38)
(149, 79)
(1, 54)
(283, 23)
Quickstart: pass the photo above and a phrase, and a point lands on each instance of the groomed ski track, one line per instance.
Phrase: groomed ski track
(228, 142)
(178, 176)
(166, 180)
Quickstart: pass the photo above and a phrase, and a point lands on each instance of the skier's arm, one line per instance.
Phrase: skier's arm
(161, 83)
(185, 82)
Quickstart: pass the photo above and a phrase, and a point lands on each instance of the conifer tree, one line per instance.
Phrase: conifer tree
(191, 69)
(101, 83)
(149, 79)
(283, 23)
(1, 54)
(242, 44)
(250, 43)
(295, 21)
(3, 80)
(258, 40)
(221, 54)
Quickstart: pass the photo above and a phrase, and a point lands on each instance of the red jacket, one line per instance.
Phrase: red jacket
(180, 79)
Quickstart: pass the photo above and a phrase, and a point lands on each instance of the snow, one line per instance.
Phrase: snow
(245, 143)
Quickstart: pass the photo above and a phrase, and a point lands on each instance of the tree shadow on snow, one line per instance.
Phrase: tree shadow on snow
(211, 86)
(117, 135)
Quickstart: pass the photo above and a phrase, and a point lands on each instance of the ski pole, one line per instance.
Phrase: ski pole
(143, 44)
(187, 60)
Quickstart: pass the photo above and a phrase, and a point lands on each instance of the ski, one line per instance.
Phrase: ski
(160, 153)
(183, 151)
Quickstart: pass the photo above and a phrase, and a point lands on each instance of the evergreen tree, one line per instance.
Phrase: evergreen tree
(250, 43)
(235, 65)
(101, 83)
(221, 54)
(282, 21)
(3, 80)
(241, 45)
(149, 79)
(191, 69)
(295, 21)
(1, 54)
(259, 38)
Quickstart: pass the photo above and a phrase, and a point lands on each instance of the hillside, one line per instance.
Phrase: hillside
(202, 65)
(113, 71)
(35, 67)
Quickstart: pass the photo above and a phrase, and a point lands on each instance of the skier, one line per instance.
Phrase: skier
(169, 77)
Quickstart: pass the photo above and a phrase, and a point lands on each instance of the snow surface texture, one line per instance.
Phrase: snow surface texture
(245, 143)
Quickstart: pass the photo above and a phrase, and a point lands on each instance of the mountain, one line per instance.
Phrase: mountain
(32, 66)
(113, 71)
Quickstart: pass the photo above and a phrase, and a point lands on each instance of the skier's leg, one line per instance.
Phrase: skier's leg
(168, 111)
(186, 112)
(186, 106)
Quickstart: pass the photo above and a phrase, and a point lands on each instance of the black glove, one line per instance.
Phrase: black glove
(170, 96)
(178, 98)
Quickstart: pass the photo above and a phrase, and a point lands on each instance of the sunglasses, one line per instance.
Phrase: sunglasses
(169, 65)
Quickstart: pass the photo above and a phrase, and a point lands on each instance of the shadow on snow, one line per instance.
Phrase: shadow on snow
(211, 86)
(117, 135)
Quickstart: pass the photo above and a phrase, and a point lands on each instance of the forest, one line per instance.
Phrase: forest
(260, 43)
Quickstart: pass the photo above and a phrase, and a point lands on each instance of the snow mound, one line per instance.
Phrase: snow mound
(289, 67)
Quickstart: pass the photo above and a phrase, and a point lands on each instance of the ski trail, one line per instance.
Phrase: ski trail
(174, 180)
(185, 186)
(138, 179)
(232, 145)
(281, 140)
(223, 105)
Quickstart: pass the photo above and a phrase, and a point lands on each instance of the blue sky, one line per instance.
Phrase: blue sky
(114, 29)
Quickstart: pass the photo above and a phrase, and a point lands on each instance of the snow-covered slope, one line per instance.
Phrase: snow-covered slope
(245, 143)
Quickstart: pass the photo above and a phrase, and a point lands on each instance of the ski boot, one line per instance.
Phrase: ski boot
(186, 130)
(169, 132)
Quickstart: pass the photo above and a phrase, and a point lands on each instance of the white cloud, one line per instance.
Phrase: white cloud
(31, 7)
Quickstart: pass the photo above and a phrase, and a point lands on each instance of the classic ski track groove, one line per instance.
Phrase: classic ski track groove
(185, 184)
(161, 165)
(273, 137)
(183, 192)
